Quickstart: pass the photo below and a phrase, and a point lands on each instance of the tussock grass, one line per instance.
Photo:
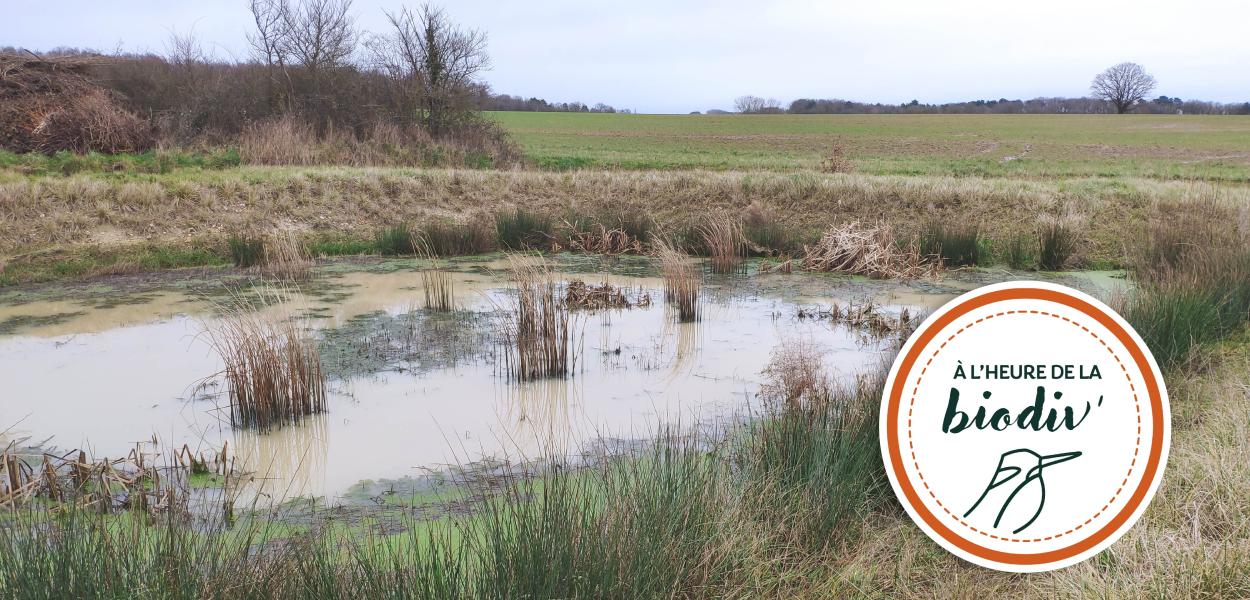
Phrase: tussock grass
(764, 233)
(538, 330)
(246, 251)
(723, 241)
(447, 237)
(1056, 243)
(1019, 253)
(956, 245)
(812, 463)
(681, 281)
(271, 365)
(1193, 283)
(395, 240)
(520, 229)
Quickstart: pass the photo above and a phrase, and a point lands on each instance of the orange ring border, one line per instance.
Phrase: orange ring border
(1156, 412)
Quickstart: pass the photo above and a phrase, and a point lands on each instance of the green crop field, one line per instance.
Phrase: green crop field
(1158, 146)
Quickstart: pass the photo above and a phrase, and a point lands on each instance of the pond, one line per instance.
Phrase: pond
(411, 390)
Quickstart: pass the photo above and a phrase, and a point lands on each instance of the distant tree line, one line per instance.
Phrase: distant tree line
(1121, 88)
(1160, 105)
(520, 104)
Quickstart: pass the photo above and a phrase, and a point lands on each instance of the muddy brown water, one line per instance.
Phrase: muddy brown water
(78, 374)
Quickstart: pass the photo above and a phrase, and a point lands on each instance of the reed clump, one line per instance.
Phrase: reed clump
(520, 229)
(272, 366)
(538, 330)
(681, 281)
(246, 251)
(722, 238)
(872, 250)
(437, 284)
(764, 233)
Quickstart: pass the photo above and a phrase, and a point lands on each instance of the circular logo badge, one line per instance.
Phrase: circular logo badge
(1025, 426)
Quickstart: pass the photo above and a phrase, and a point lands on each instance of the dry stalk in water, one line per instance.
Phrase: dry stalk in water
(681, 281)
(272, 366)
(874, 251)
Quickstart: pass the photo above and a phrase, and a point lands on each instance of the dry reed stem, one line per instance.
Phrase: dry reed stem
(869, 250)
(272, 366)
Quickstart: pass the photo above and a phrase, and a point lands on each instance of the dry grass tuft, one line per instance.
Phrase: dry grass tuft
(681, 281)
(871, 250)
(724, 243)
(837, 162)
(286, 258)
(538, 331)
(271, 364)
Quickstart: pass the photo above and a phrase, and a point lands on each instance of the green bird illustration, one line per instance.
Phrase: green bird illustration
(1024, 500)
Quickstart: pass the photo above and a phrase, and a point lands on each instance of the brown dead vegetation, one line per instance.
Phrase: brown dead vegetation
(48, 105)
(579, 295)
(871, 250)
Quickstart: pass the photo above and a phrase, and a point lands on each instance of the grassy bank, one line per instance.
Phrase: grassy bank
(56, 226)
(1151, 146)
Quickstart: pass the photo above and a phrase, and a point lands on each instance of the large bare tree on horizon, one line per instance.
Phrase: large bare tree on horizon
(1123, 85)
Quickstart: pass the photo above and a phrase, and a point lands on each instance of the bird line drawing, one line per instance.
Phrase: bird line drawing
(1024, 502)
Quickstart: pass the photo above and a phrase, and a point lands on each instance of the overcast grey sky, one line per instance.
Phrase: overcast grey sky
(656, 56)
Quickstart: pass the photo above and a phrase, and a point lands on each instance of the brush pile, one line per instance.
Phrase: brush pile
(869, 250)
(49, 105)
(579, 295)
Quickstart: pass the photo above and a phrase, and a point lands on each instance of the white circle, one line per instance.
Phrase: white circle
(1057, 453)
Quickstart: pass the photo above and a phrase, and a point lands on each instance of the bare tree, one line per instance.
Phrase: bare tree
(269, 43)
(321, 36)
(1123, 85)
(435, 62)
(756, 105)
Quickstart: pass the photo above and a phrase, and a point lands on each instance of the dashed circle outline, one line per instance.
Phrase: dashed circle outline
(912, 403)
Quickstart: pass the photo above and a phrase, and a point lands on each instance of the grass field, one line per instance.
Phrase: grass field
(1181, 147)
